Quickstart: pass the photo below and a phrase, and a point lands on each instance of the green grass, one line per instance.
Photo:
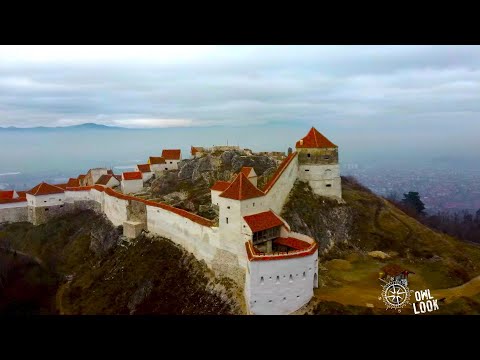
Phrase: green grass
(438, 260)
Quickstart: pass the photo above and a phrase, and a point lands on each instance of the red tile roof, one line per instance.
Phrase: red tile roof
(241, 189)
(220, 185)
(173, 154)
(156, 160)
(144, 168)
(262, 221)
(109, 172)
(104, 179)
(73, 182)
(11, 201)
(132, 175)
(193, 150)
(314, 140)
(22, 194)
(81, 177)
(63, 186)
(45, 189)
(6, 194)
(80, 188)
(246, 170)
(254, 255)
(293, 243)
(279, 172)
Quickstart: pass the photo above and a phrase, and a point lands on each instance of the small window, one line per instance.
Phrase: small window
(59, 199)
(298, 296)
(291, 278)
(253, 204)
(308, 155)
(45, 201)
(46, 209)
(326, 157)
(227, 220)
(270, 301)
(307, 170)
(284, 299)
(61, 206)
(328, 185)
(166, 168)
(278, 279)
(171, 162)
(304, 275)
(261, 280)
(228, 207)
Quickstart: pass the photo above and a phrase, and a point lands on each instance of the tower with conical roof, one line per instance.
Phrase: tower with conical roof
(318, 164)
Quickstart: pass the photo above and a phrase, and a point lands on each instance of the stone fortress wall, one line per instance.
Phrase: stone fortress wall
(273, 284)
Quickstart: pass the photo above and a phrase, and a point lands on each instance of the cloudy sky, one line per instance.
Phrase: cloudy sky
(383, 94)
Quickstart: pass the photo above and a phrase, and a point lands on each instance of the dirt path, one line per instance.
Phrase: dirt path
(469, 289)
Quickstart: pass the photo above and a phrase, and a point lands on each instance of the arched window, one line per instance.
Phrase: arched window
(278, 279)
(291, 278)
(304, 277)
(261, 280)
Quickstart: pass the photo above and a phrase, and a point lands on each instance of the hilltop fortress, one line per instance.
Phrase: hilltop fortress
(251, 244)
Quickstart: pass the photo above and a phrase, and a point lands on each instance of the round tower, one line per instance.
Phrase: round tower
(318, 164)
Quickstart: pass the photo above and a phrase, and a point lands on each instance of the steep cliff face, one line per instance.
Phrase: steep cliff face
(323, 219)
(99, 272)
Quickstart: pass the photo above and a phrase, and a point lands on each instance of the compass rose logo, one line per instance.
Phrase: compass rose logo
(395, 295)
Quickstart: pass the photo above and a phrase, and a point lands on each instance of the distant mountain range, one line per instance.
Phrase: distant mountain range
(86, 126)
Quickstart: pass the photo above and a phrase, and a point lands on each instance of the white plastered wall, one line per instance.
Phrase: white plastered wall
(323, 179)
(46, 200)
(280, 286)
(278, 194)
(132, 186)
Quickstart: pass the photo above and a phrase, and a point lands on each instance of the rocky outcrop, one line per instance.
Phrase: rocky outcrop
(260, 163)
(323, 219)
(104, 236)
(165, 183)
(212, 168)
(195, 177)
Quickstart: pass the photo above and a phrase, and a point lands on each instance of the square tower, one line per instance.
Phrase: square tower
(318, 164)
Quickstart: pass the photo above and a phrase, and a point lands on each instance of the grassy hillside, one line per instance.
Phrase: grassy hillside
(364, 223)
(86, 267)
(143, 276)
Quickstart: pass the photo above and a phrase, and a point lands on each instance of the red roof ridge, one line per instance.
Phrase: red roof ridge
(144, 168)
(104, 179)
(7, 194)
(262, 221)
(132, 175)
(15, 200)
(314, 139)
(279, 172)
(241, 189)
(171, 154)
(44, 189)
(220, 185)
(153, 160)
(246, 170)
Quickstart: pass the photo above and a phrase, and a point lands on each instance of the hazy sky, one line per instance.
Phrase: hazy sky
(366, 96)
